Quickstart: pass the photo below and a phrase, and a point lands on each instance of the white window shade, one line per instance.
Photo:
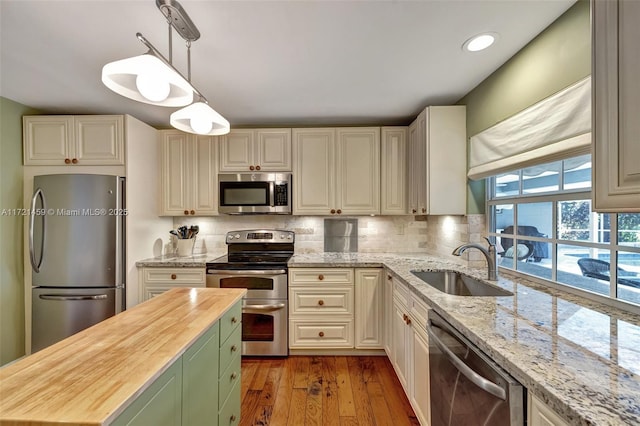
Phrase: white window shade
(555, 128)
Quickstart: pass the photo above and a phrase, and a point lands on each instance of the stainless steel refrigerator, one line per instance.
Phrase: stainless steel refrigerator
(76, 247)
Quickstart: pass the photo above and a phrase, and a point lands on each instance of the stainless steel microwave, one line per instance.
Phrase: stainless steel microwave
(254, 193)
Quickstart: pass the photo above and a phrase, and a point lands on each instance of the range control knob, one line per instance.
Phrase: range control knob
(237, 236)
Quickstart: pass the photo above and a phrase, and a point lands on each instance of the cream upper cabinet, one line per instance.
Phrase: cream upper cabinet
(188, 174)
(59, 140)
(336, 171)
(248, 150)
(616, 103)
(393, 170)
(437, 179)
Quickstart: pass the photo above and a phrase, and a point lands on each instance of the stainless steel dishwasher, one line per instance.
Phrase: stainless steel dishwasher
(468, 388)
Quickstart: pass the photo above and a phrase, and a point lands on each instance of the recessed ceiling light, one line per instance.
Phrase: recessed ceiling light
(480, 42)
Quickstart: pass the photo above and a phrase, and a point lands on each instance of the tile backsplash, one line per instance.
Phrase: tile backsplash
(376, 234)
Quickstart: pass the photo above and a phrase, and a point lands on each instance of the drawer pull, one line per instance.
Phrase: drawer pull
(234, 320)
(74, 161)
(320, 302)
(321, 277)
(339, 211)
(251, 168)
(67, 161)
(321, 334)
(234, 348)
(186, 212)
(234, 375)
(232, 418)
(257, 167)
(332, 211)
(192, 212)
(174, 276)
(389, 277)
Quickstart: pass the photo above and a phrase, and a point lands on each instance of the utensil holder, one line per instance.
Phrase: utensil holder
(185, 247)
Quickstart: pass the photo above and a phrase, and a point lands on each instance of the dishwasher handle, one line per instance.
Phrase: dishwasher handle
(476, 379)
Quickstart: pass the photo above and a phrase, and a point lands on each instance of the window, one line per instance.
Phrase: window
(543, 226)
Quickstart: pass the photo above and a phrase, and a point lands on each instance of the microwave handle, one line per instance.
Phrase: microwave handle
(272, 191)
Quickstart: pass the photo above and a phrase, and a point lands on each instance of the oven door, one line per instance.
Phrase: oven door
(264, 327)
(260, 284)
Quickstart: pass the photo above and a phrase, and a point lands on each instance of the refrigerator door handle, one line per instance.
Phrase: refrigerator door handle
(75, 297)
(32, 218)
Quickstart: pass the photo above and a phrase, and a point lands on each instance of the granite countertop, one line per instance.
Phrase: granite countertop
(581, 357)
(175, 261)
(91, 377)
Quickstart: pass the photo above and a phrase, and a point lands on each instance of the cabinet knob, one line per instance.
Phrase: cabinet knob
(408, 321)
(74, 161)
(389, 277)
(234, 348)
(404, 317)
(234, 375)
(67, 161)
(186, 212)
(257, 167)
(414, 211)
(333, 211)
(174, 276)
(232, 418)
(192, 212)
(234, 320)
(321, 277)
(321, 334)
(424, 210)
(339, 211)
(320, 302)
(251, 168)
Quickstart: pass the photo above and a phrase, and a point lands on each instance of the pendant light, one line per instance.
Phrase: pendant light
(152, 79)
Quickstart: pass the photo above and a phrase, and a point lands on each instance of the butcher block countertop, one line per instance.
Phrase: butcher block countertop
(92, 376)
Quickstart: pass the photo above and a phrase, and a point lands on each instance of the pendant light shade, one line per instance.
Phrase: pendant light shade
(201, 119)
(146, 78)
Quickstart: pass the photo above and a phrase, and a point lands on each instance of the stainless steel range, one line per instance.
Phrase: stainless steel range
(257, 260)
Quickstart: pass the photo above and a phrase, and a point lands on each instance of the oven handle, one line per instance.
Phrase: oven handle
(477, 379)
(263, 308)
(252, 272)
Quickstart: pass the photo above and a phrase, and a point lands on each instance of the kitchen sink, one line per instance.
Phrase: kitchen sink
(454, 283)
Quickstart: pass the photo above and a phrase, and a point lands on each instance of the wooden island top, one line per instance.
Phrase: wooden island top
(92, 376)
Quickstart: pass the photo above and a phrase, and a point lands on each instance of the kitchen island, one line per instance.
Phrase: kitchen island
(97, 376)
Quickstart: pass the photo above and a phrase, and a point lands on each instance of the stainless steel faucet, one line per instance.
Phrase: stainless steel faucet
(490, 254)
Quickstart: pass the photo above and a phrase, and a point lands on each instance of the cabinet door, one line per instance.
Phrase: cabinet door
(419, 395)
(175, 196)
(272, 151)
(47, 140)
(400, 348)
(420, 168)
(616, 101)
(388, 315)
(314, 171)
(160, 404)
(204, 186)
(413, 168)
(200, 380)
(99, 140)
(358, 185)
(393, 171)
(369, 309)
(236, 151)
(541, 415)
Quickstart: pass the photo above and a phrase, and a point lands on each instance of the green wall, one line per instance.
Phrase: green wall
(11, 235)
(555, 59)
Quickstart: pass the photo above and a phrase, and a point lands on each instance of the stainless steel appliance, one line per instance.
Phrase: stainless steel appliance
(249, 193)
(467, 388)
(257, 260)
(76, 248)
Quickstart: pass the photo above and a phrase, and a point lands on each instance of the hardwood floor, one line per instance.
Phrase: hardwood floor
(323, 390)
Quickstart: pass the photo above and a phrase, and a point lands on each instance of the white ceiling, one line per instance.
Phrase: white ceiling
(268, 62)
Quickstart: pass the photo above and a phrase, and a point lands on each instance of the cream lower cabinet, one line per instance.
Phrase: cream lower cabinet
(189, 175)
(387, 304)
(616, 105)
(542, 415)
(335, 308)
(83, 140)
(262, 150)
(154, 281)
(409, 351)
(336, 171)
